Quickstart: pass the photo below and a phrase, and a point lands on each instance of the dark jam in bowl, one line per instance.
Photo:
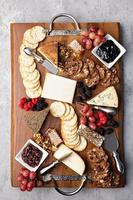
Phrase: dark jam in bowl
(31, 155)
(108, 51)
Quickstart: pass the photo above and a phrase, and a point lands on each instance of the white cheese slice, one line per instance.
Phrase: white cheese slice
(107, 98)
(73, 161)
(58, 88)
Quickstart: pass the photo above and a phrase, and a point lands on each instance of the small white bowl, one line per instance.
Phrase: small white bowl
(122, 51)
(18, 157)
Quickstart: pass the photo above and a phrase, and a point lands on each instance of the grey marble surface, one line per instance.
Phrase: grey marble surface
(83, 10)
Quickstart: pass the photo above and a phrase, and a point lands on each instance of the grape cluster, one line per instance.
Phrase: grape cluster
(97, 120)
(27, 180)
(93, 37)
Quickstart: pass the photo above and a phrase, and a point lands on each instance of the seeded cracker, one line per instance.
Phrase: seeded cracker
(35, 119)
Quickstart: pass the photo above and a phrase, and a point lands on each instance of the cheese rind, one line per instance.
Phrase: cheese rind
(107, 98)
(73, 161)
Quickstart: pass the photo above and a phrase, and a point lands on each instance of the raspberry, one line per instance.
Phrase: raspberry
(26, 107)
(21, 105)
(30, 104)
(34, 101)
(23, 100)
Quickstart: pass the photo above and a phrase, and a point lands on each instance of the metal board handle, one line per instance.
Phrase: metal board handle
(84, 178)
(63, 15)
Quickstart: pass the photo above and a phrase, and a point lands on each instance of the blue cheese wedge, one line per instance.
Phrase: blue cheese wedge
(76, 46)
(107, 98)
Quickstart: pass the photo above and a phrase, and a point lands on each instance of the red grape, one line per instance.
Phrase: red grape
(101, 114)
(92, 35)
(83, 120)
(23, 187)
(100, 32)
(29, 189)
(92, 125)
(32, 175)
(89, 113)
(26, 173)
(30, 184)
(39, 183)
(103, 120)
(103, 39)
(98, 39)
(85, 108)
(92, 119)
(96, 115)
(84, 40)
(20, 178)
(21, 170)
(93, 29)
(24, 181)
(85, 33)
(88, 47)
(95, 43)
(99, 124)
(88, 42)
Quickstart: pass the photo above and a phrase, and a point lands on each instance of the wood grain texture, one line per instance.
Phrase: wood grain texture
(20, 133)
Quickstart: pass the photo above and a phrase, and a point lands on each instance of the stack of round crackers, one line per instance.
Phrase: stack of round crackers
(69, 125)
(29, 73)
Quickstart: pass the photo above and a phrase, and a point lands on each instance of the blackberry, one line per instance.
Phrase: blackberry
(88, 93)
(100, 130)
(84, 97)
(80, 84)
(81, 90)
(109, 130)
(34, 108)
(112, 123)
(109, 116)
(78, 99)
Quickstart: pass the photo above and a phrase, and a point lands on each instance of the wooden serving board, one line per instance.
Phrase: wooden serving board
(20, 133)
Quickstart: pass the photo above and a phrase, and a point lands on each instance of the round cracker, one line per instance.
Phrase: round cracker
(31, 76)
(57, 109)
(74, 142)
(30, 84)
(73, 145)
(69, 133)
(71, 114)
(67, 111)
(26, 60)
(28, 37)
(34, 94)
(22, 48)
(38, 34)
(82, 145)
(69, 128)
(71, 122)
(30, 68)
(27, 44)
(36, 88)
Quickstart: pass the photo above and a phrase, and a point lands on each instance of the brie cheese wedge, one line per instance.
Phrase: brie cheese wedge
(107, 98)
(73, 161)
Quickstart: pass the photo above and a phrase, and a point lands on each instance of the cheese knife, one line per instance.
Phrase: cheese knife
(111, 144)
(46, 63)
